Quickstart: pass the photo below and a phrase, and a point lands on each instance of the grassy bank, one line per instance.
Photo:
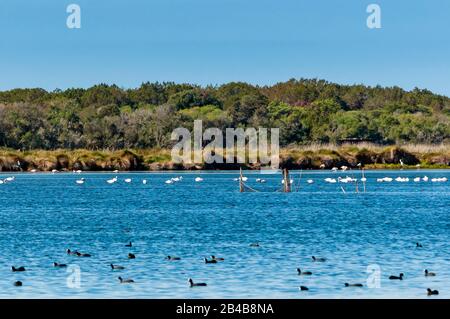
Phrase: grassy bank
(313, 156)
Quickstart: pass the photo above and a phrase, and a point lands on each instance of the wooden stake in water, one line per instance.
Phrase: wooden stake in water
(287, 182)
(364, 179)
(241, 182)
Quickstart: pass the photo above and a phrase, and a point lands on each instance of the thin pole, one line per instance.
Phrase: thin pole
(364, 179)
(241, 182)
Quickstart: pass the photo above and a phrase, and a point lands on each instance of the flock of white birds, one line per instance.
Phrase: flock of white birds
(345, 180)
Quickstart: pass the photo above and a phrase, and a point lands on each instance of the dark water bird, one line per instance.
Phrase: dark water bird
(419, 245)
(55, 264)
(429, 274)
(400, 277)
(318, 259)
(217, 258)
(125, 281)
(130, 244)
(353, 285)
(254, 245)
(200, 284)
(303, 273)
(212, 261)
(173, 258)
(303, 288)
(131, 256)
(69, 252)
(117, 267)
(82, 254)
(18, 283)
(432, 292)
(18, 269)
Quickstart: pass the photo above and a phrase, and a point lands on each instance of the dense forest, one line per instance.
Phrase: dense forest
(306, 111)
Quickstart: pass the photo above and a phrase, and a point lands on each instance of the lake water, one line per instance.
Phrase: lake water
(44, 214)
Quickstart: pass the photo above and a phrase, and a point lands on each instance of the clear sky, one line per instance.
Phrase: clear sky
(216, 41)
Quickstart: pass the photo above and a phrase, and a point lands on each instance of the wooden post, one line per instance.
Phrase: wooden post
(241, 182)
(364, 180)
(287, 182)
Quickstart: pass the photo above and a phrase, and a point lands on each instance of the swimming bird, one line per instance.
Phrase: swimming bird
(69, 252)
(418, 245)
(310, 181)
(353, 285)
(217, 258)
(80, 181)
(334, 169)
(199, 179)
(173, 258)
(18, 283)
(432, 292)
(425, 178)
(429, 274)
(400, 277)
(55, 264)
(19, 269)
(417, 179)
(127, 180)
(112, 180)
(254, 245)
(318, 259)
(169, 181)
(212, 261)
(125, 281)
(117, 267)
(303, 273)
(200, 284)
(130, 244)
(303, 288)
(131, 256)
(82, 254)
(144, 182)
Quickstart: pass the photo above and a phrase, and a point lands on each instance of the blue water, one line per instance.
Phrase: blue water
(44, 214)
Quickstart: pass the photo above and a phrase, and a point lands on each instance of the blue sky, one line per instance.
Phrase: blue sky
(217, 41)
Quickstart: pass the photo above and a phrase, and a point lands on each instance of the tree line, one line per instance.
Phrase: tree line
(305, 110)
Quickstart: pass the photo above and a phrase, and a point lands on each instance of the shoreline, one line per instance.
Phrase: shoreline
(312, 157)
